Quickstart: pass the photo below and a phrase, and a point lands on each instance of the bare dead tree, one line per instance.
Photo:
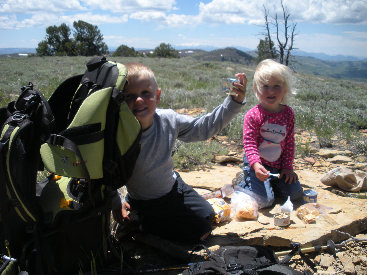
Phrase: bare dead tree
(285, 39)
(271, 51)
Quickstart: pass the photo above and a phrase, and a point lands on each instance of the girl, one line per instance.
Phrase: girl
(268, 138)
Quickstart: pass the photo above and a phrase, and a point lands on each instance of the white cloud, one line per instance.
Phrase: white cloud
(230, 11)
(179, 20)
(356, 35)
(32, 6)
(47, 19)
(314, 11)
(94, 19)
(148, 16)
(213, 12)
(131, 5)
(250, 42)
(328, 11)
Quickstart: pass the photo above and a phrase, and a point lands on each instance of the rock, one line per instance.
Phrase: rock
(310, 160)
(330, 270)
(264, 220)
(347, 262)
(359, 165)
(362, 259)
(329, 153)
(224, 159)
(313, 150)
(340, 159)
(326, 260)
(360, 159)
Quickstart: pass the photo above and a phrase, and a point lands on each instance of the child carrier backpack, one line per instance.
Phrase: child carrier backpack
(238, 260)
(88, 140)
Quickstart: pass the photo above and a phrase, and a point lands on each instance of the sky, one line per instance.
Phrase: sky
(333, 27)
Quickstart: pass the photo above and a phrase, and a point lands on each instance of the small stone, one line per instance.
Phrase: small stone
(330, 270)
(326, 260)
(310, 160)
(327, 153)
(340, 159)
(223, 159)
(347, 263)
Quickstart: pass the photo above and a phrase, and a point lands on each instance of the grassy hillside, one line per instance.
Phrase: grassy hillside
(227, 54)
(353, 70)
(332, 109)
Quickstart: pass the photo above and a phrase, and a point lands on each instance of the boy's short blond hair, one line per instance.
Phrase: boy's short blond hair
(268, 68)
(135, 70)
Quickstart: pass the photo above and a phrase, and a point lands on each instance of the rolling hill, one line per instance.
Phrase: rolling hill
(353, 70)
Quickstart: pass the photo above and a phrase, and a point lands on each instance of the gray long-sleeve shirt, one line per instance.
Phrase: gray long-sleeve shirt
(153, 175)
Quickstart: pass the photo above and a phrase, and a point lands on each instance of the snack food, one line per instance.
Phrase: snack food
(308, 212)
(244, 207)
(221, 208)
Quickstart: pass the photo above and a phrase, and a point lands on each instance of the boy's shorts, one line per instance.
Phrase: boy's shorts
(181, 215)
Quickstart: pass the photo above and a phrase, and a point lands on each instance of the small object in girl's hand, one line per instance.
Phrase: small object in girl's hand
(227, 85)
(274, 175)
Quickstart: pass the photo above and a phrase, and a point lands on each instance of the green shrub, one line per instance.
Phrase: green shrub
(195, 155)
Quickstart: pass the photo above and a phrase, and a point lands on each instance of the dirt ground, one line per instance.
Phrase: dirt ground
(344, 221)
(347, 222)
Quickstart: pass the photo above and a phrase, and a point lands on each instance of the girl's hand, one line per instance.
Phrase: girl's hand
(239, 87)
(260, 171)
(290, 176)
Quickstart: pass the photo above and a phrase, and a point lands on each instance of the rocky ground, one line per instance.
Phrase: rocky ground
(153, 256)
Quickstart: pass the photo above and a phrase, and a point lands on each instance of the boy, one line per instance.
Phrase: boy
(166, 205)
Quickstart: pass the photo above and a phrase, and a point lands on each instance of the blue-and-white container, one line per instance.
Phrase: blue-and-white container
(310, 196)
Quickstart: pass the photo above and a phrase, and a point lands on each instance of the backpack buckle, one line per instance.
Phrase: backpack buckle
(56, 140)
(18, 117)
(234, 267)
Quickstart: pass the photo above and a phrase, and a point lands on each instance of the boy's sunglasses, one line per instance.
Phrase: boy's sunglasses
(132, 98)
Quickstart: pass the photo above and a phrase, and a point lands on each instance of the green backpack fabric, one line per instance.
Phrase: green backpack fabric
(97, 136)
(88, 140)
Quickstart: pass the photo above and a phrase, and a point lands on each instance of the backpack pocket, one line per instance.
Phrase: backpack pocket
(78, 151)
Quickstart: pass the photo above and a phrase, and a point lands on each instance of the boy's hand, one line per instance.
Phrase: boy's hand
(240, 88)
(290, 175)
(124, 209)
(117, 215)
(260, 171)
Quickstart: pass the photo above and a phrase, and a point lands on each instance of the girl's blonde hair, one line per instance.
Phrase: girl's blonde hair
(135, 70)
(269, 68)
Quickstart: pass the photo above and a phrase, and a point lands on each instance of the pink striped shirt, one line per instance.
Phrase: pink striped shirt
(268, 138)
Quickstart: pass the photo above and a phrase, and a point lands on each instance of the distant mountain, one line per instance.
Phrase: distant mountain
(226, 54)
(354, 70)
(16, 50)
(326, 57)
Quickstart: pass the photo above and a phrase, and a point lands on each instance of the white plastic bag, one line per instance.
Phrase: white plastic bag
(243, 206)
(287, 207)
